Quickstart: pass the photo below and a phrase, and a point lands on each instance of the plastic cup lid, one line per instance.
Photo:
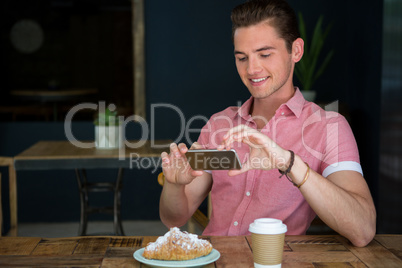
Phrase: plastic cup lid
(267, 226)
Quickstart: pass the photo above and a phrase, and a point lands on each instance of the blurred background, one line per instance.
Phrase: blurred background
(87, 45)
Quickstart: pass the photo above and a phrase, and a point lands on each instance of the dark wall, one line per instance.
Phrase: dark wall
(190, 62)
(390, 183)
(190, 66)
(86, 44)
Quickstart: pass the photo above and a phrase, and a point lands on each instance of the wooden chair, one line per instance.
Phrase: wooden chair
(5, 161)
(198, 218)
(1, 211)
(85, 187)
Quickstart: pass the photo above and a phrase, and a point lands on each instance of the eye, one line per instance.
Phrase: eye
(265, 55)
(242, 59)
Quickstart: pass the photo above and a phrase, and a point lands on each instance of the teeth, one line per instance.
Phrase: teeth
(259, 79)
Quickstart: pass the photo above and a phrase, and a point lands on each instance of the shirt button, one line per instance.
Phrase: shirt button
(235, 223)
(282, 113)
(248, 193)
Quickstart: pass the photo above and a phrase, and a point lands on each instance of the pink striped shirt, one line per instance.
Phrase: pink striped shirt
(322, 139)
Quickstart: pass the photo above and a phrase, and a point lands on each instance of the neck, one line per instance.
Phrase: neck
(263, 109)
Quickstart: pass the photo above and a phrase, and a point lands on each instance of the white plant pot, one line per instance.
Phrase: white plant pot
(108, 137)
(309, 95)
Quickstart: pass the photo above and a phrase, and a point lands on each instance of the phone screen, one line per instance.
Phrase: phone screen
(213, 159)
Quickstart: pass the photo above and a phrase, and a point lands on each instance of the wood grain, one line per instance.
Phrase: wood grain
(370, 254)
(54, 93)
(392, 243)
(17, 245)
(12, 181)
(95, 245)
(132, 242)
(52, 150)
(111, 251)
(126, 263)
(56, 247)
(320, 256)
(51, 261)
(235, 251)
(139, 57)
(314, 244)
(1, 211)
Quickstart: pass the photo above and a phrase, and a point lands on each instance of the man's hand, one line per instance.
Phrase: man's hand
(184, 188)
(175, 165)
(264, 153)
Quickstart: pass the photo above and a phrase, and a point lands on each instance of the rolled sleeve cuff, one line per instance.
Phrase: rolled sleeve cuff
(346, 165)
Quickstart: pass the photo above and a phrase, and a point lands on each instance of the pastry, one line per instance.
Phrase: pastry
(177, 245)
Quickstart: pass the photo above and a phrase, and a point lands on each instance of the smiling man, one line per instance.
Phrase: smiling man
(299, 161)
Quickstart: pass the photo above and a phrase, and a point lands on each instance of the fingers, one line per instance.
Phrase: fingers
(196, 146)
(175, 165)
(245, 167)
(175, 150)
(235, 172)
(235, 130)
(168, 160)
(182, 148)
(178, 151)
(241, 133)
(196, 173)
(165, 158)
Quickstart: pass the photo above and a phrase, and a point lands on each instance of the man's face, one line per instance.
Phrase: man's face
(262, 60)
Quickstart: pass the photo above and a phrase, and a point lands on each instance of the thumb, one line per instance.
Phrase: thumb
(245, 167)
(196, 145)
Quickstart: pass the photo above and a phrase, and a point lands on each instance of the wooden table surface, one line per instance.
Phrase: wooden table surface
(299, 251)
(53, 95)
(54, 150)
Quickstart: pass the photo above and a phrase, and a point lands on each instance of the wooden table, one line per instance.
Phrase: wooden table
(45, 95)
(54, 97)
(299, 251)
(55, 155)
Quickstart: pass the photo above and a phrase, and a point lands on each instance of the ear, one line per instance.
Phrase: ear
(297, 49)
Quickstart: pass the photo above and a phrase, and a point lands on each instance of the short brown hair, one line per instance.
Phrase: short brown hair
(278, 13)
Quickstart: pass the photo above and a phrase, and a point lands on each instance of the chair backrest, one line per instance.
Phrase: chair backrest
(1, 211)
(4, 161)
(161, 179)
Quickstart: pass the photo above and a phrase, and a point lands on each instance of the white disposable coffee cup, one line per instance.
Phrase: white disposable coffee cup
(268, 238)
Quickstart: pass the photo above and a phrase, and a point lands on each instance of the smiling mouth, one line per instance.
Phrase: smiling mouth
(259, 79)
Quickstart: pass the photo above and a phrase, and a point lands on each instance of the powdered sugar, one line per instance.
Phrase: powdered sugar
(184, 240)
(157, 243)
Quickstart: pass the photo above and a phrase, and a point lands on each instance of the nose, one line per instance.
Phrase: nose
(254, 66)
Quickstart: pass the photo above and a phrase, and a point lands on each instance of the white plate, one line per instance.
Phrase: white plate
(198, 262)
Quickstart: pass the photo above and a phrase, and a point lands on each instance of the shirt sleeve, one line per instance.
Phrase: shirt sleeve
(345, 165)
(341, 152)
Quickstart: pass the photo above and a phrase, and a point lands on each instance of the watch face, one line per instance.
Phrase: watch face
(26, 36)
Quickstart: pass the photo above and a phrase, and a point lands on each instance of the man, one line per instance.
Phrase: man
(275, 130)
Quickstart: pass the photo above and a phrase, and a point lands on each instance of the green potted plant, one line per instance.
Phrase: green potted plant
(108, 129)
(310, 68)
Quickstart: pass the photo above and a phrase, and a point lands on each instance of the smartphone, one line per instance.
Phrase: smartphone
(212, 159)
